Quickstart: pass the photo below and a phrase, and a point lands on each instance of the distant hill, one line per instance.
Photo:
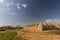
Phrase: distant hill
(42, 27)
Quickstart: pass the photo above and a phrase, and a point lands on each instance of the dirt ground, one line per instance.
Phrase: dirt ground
(38, 36)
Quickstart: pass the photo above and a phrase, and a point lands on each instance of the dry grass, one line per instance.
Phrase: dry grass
(47, 35)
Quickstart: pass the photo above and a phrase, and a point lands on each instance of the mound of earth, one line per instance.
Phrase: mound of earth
(42, 27)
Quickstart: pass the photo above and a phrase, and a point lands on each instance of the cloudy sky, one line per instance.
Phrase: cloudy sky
(21, 12)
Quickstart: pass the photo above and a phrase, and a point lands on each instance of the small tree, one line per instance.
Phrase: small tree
(19, 27)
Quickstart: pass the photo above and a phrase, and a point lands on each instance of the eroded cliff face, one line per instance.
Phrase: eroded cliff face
(57, 25)
(42, 27)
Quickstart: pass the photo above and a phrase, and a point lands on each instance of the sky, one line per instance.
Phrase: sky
(21, 12)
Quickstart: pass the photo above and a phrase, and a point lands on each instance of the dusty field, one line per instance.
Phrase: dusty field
(38, 35)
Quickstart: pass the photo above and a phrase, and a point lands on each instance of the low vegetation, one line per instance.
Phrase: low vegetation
(3, 28)
(10, 36)
(7, 35)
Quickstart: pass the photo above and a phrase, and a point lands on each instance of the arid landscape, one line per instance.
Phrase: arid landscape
(29, 19)
(38, 31)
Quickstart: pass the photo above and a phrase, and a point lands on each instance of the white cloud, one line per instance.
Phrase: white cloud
(53, 20)
(8, 5)
(48, 20)
(1, 1)
(11, 4)
(18, 6)
(24, 5)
